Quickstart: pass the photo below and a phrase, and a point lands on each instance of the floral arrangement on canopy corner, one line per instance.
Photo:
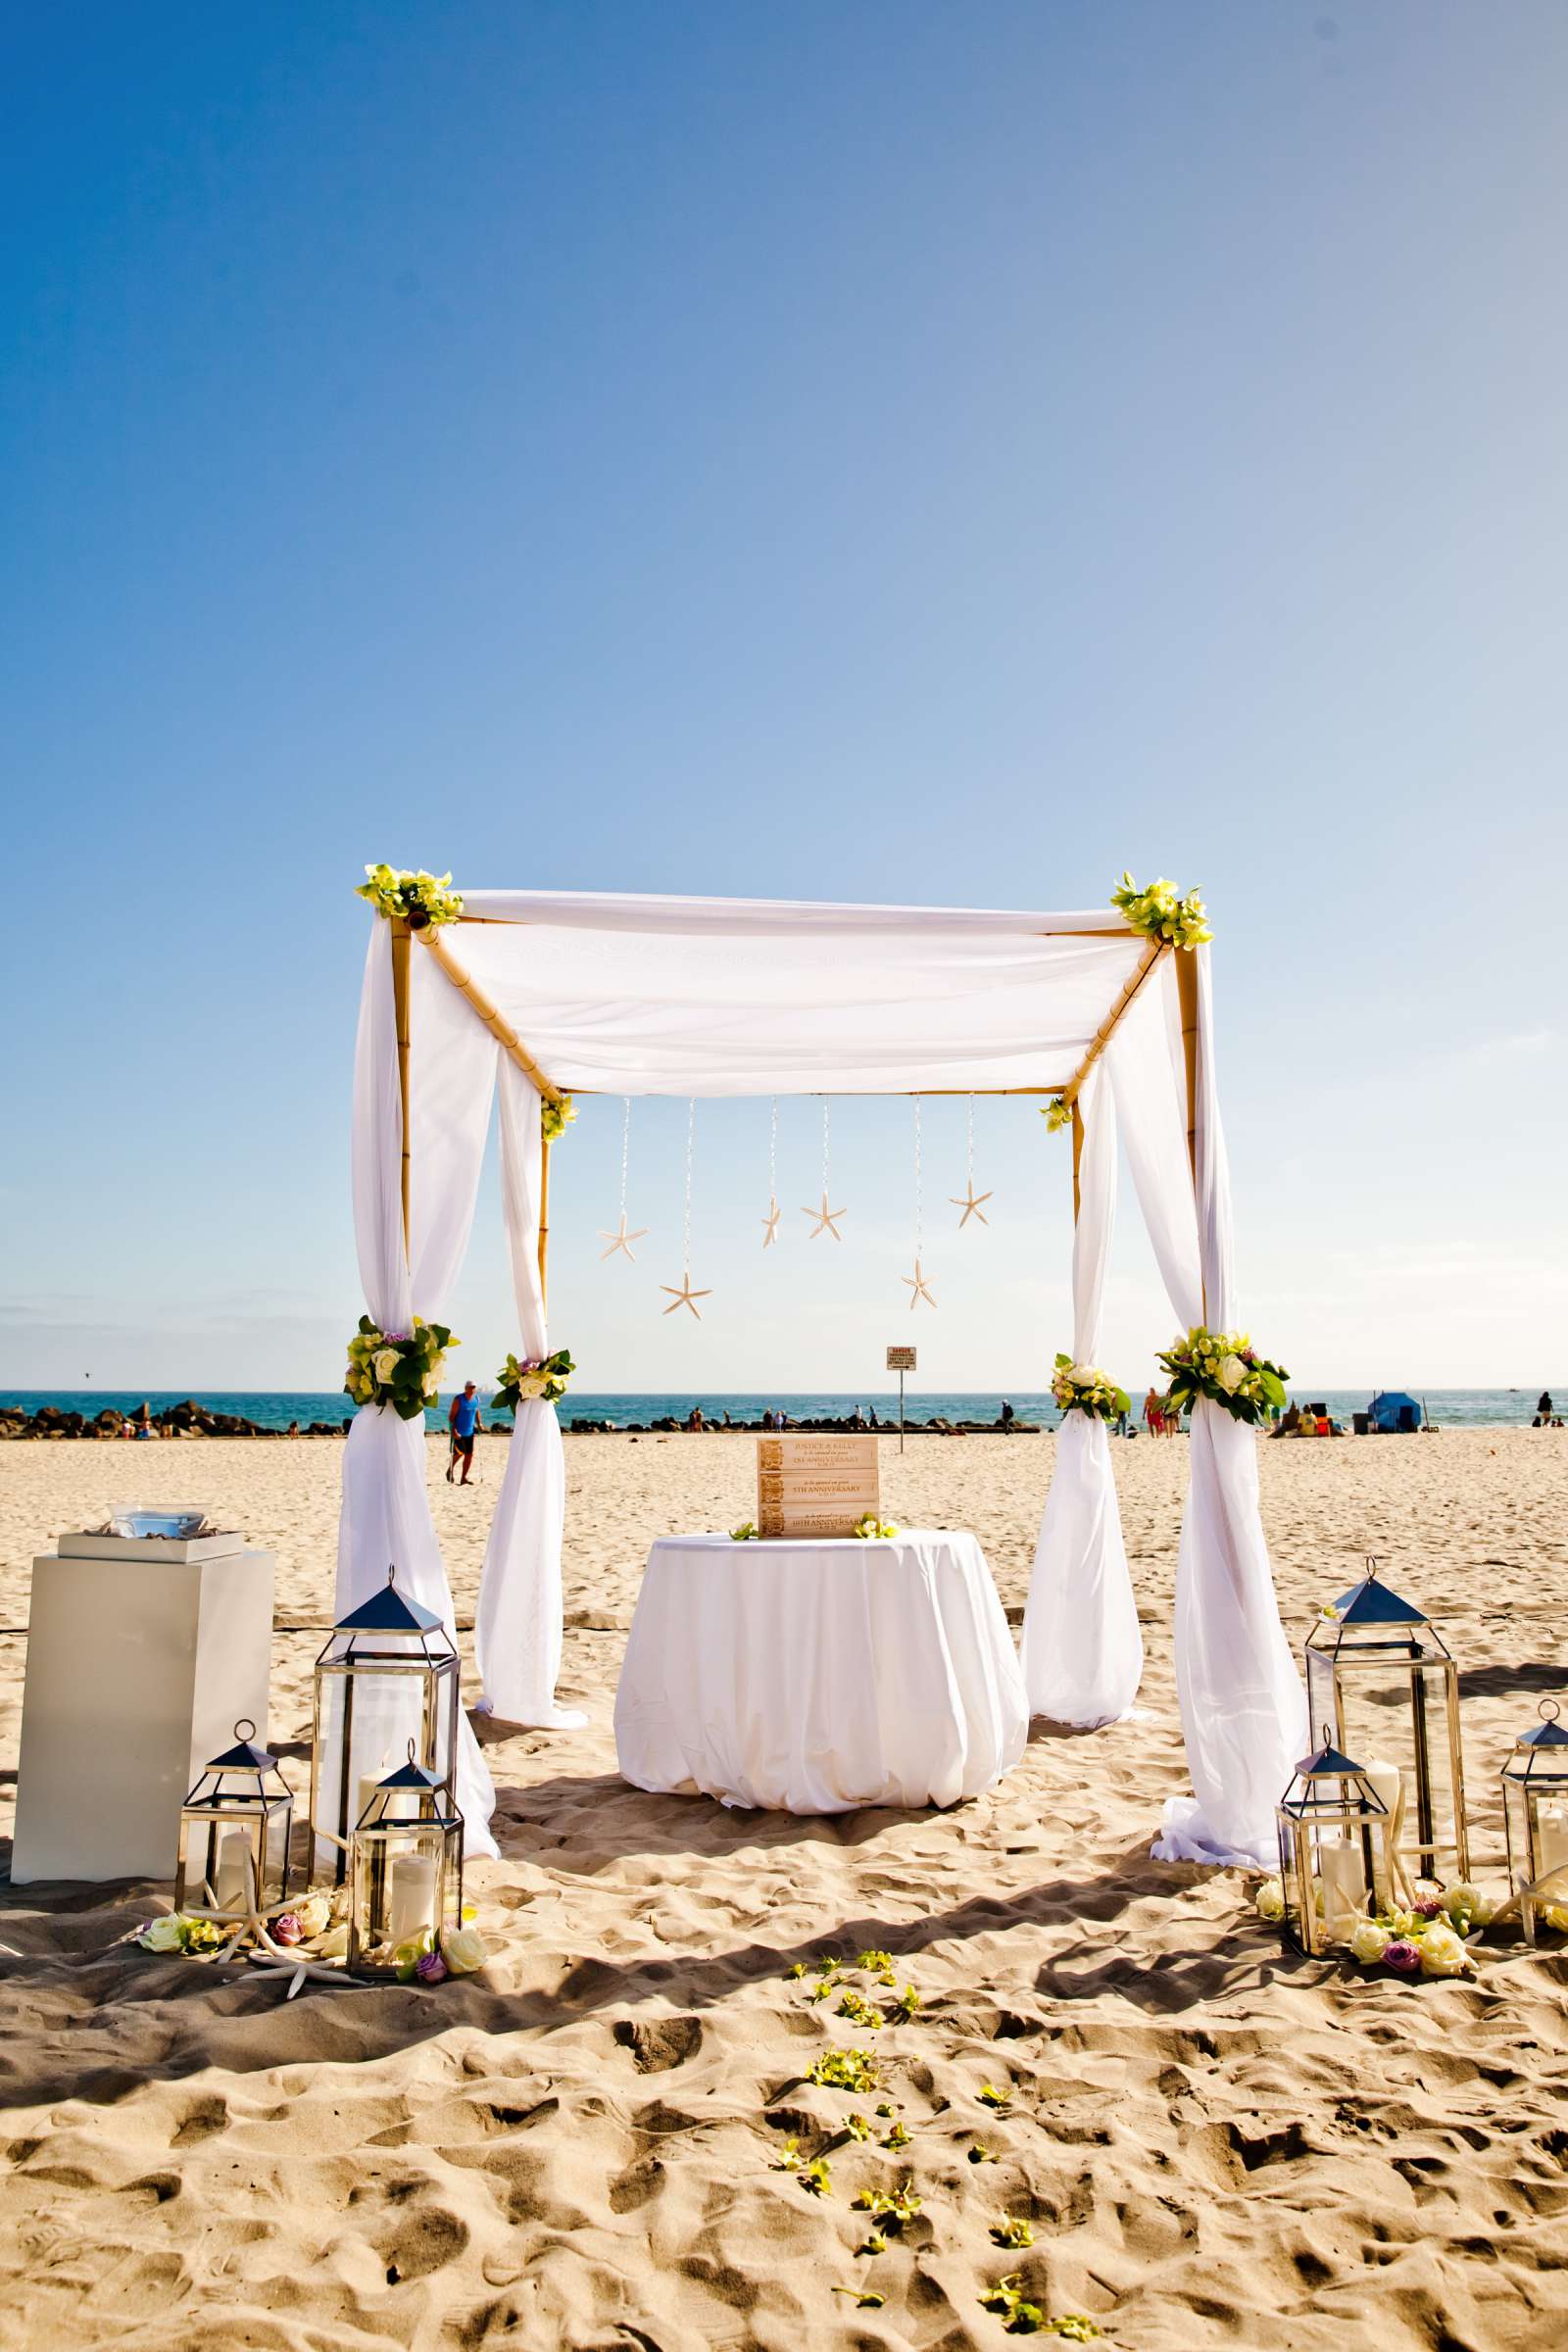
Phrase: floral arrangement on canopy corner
(545, 1376)
(1085, 1389)
(1161, 912)
(1058, 1114)
(399, 1368)
(1434, 1937)
(557, 1116)
(1225, 1367)
(421, 900)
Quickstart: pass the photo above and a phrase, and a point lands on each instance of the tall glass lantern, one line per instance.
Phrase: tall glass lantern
(406, 1870)
(388, 1677)
(234, 1832)
(1334, 1848)
(1379, 1672)
(1535, 1812)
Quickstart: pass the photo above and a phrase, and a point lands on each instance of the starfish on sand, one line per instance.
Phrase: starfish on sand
(915, 1284)
(969, 1201)
(826, 1219)
(771, 1223)
(684, 1296)
(620, 1240)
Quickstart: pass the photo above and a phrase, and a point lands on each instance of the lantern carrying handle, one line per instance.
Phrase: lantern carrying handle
(412, 1758)
(1371, 1568)
(244, 1729)
(1548, 1710)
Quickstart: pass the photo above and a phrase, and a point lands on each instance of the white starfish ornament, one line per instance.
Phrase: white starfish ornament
(685, 1295)
(915, 1285)
(826, 1219)
(770, 1225)
(620, 1240)
(969, 1202)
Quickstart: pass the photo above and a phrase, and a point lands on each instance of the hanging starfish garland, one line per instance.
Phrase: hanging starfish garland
(969, 1201)
(915, 1284)
(826, 1220)
(685, 1295)
(620, 1240)
(770, 1224)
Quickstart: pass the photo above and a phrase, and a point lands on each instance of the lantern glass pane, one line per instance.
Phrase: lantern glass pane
(366, 1713)
(406, 1890)
(1391, 1702)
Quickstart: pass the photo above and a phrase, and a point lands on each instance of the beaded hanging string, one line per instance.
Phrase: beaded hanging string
(683, 1295)
(621, 1239)
(826, 1218)
(969, 1201)
(915, 1283)
(770, 1221)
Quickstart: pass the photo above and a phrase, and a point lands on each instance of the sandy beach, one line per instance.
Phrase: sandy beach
(1215, 2143)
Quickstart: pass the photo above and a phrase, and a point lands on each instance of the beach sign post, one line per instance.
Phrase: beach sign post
(900, 1360)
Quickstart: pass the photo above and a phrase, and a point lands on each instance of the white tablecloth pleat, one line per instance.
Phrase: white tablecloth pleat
(818, 1677)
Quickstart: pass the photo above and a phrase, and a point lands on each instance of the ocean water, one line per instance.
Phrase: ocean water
(1450, 1408)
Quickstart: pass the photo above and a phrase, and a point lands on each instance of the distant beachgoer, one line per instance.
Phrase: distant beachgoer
(1153, 1413)
(694, 1419)
(858, 1418)
(462, 1418)
(1544, 1409)
(767, 1416)
(1170, 1417)
(293, 1429)
(1007, 1415)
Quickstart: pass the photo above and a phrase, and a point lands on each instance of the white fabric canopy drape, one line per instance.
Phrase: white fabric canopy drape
(517, 1636)
(1242, 1707)
(385, 1516)
(1081, 1650)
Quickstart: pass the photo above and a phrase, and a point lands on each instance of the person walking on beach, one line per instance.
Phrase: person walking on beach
(462, 1418)
(1154, 1414)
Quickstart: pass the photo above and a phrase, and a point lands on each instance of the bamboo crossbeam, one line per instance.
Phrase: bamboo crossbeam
(400, 1015)
(1151, 955)
(494, 1020)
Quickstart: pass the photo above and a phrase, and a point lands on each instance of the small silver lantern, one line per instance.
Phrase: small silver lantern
(1535, 1813)
(1379, 1672)
(406, 1884)
(1334, 1848)
(234, 1830)
(388, 1675)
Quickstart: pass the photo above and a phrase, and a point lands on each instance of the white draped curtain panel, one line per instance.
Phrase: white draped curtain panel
(1081, 1650)
(518, 1632)
(1242, 1707)
(386, 1517)
(720, 996)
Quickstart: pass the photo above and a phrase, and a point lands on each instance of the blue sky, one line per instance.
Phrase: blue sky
(900, 452)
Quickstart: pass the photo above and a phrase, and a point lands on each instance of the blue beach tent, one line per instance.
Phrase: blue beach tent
(1393, 1412)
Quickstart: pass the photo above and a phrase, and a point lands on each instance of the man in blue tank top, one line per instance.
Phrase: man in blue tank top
(464, 1419)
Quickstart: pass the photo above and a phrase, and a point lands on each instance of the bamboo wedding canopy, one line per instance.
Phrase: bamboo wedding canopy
(1108, 1013)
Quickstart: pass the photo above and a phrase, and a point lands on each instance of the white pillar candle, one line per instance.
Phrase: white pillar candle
(1551, 1847)
(370, 1783)
(411, 1900)
(1386, 1780)
(233, 1886)
(1344, 1876)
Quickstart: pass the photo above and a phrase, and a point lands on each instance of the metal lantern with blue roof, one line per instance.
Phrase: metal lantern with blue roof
(1335, 1850)
(406, 1871)
(389, 1675)
(1535, 1812)
(1379, 1672)
(234, 1830)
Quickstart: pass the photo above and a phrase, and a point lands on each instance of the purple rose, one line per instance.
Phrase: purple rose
(1427, 1906)
(286, 1928)
(431, 1969)
(1403, 1957)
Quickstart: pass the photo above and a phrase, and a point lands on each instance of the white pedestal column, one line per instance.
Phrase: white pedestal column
(138, 1671)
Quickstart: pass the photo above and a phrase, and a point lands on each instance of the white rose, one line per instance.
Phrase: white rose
(1369, 1941)
(1085, 1375)
(464, 1949)
(1270, 1899)
(1443, 1953)
(384, 1364)
(1231, 1374)
(532, 1384)
(160, 1934)
(314, 1914)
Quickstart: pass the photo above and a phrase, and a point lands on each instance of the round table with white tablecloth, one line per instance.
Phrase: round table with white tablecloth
(818, 1677)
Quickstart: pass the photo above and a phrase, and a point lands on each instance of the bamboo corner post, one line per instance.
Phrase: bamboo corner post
(1187, 1000)
(401, 936)
(1077, 1160)
(544, 1221)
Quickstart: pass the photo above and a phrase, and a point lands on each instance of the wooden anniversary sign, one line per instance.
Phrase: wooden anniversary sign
(814, 1486)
